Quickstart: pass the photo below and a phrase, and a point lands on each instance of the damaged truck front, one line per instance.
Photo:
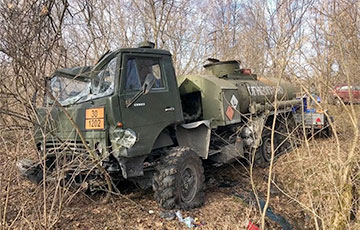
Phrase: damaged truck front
(98, 104)
(130, 116)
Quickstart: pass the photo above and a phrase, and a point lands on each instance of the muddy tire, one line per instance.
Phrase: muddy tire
(264, 151)
(329, 131)
(265, 148)
(179, 180)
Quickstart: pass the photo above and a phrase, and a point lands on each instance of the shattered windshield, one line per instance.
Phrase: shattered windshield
(70, 90)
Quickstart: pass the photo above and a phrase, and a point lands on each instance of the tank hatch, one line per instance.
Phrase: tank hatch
(146, 44)
(228, 69)
(222, 68)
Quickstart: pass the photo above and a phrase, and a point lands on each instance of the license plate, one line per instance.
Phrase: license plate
(94, 118)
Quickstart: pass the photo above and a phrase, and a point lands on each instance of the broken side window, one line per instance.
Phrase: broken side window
(104, 82)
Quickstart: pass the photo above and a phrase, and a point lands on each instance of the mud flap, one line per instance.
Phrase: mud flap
(195, 135)
(229, 152)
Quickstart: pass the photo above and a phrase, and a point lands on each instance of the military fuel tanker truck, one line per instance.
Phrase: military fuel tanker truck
(132, 117)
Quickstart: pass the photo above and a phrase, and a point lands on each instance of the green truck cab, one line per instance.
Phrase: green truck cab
(97, 99)
(130, 115)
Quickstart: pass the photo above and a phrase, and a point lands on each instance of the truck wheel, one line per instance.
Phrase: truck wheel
(265, 148)
(179, 180)
(328, 131)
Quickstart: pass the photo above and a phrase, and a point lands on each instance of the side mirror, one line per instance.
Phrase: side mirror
(148, 83)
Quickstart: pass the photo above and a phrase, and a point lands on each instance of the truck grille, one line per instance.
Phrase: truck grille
(66, 146)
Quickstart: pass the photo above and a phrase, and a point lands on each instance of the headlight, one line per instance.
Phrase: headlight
(40, 147)
(99, 148)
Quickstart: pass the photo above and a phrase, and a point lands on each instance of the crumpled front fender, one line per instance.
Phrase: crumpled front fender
(30, 170)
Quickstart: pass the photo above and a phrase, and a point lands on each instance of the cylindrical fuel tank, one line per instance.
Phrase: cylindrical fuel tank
(261, 91)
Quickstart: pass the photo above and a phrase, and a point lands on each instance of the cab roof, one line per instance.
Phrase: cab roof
(84, 71)
(103, 61)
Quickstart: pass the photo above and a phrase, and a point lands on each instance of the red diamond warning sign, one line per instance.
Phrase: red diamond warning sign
(230, 112)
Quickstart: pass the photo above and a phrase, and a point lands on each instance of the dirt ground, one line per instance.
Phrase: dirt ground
(228, 204)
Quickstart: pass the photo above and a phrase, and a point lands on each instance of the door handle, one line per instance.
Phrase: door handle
(169, 109)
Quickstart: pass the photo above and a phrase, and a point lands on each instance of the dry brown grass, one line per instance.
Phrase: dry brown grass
(311, 175)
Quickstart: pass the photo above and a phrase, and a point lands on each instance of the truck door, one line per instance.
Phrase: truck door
(152, 112)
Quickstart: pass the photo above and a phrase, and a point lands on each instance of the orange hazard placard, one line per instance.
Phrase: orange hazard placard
(94, 118)
(230, 112)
